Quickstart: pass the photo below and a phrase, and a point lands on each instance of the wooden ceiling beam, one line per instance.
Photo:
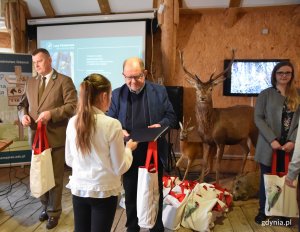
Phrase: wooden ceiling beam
(186, 11)
(199, 11)
(155, 4)
(235, 3)
(47, 6)
(104, 6)
(231, 14)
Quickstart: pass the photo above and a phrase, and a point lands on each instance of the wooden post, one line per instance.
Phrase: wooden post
(22, 23)
(14, 26)
(16, 23)
(169, 38)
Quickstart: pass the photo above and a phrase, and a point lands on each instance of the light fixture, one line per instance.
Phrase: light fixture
(92, 18)
(264, 31)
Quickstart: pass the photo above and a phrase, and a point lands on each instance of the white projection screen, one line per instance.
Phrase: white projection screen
(78, 50)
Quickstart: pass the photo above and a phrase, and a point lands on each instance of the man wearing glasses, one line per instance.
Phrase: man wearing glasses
(141, 104)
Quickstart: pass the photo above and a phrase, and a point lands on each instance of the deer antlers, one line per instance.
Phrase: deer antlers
(184, 125)
(194, 77)
(214, 79)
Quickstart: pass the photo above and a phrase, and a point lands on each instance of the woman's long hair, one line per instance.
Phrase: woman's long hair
(291, 92)
(85, 123)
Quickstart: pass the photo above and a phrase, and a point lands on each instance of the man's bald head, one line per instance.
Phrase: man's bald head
(134, 73)
(134, 63)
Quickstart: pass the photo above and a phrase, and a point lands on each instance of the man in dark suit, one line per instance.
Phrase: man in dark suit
(51, 98)
(141, 104)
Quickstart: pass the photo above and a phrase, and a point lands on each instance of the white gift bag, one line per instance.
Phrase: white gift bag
(198, 214)
(147, 201)
(168, 184)
(281, 199)
(173, 207)
(203, 207)
(41, 168)
(122, 199)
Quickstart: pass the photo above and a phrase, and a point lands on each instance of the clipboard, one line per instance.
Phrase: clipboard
(148, 134)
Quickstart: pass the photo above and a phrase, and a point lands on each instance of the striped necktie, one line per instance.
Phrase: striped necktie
(42, 88)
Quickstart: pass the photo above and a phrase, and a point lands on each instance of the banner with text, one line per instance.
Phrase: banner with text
(14, 71)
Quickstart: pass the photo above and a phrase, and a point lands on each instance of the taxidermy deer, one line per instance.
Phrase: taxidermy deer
(188, 150)
(218, 127)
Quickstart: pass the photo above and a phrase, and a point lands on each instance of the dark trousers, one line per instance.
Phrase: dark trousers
(94, 214)
(130, 180)
(262, 193)
(51, 200)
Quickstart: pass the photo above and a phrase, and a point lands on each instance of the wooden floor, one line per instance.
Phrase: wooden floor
(19, 211)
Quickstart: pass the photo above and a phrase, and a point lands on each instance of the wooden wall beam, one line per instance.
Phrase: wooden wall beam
(160, 15)
(180, 3)
(26, 9)
(5, 40)
(7, 16)
(104, 6)
(296, 16)
(2, 5)
(47, 6)
(235, 3)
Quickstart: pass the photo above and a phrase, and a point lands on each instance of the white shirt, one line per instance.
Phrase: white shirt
(98, 174)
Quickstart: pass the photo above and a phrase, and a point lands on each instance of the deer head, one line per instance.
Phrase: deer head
(204, 89)
(185, 129)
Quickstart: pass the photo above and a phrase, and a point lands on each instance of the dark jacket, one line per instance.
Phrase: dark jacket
(159, 107)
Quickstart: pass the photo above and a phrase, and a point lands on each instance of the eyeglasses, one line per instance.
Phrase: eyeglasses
(136, 78)
(284, 73)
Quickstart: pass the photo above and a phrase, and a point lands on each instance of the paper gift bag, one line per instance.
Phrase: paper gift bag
(147, 190)
(281, 200)
(41, 169)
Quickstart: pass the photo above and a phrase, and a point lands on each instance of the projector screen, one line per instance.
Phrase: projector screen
(78, 50)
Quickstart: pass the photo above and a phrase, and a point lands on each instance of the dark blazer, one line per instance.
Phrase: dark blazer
(59, 97)
(160, 110)
(267, 116)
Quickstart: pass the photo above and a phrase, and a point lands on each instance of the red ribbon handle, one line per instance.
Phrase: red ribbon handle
(40, 142)
(152, 151)
(274, 164)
